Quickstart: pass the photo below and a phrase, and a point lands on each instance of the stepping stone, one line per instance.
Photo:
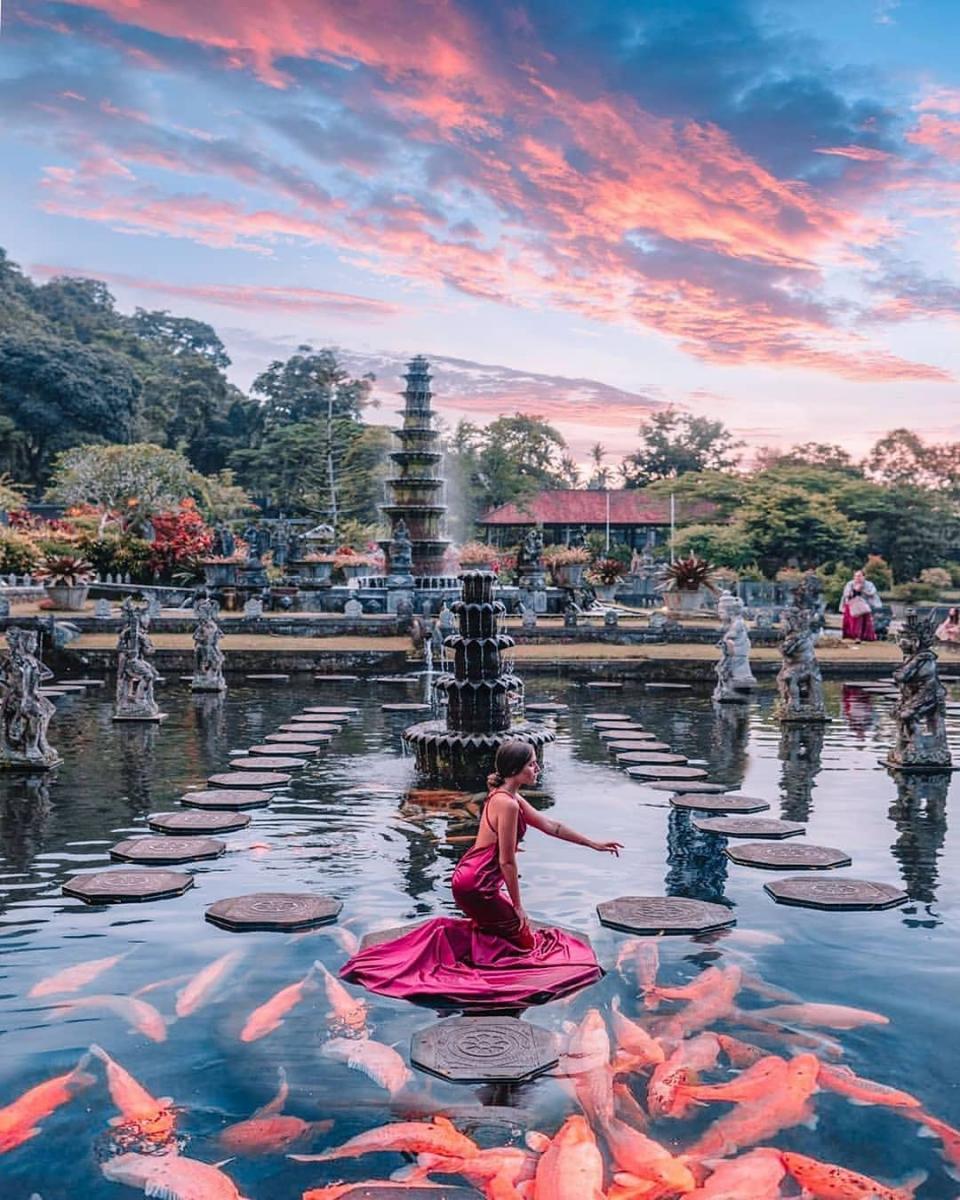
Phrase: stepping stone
(484, 1050)
(251, 779)
(668, 687)
(316, 733)
(598, 718)
(599, 683)
(195, 821)
(66, 688)
(664, 915)
(298, 736)
(117, 887)
(394, 679)
(720, 804)
(650, 756)
(622, 729)
(340, 712)
(648, 747)
(90, 682)
(744, 827)
(545, 707)
(277, 763)
(284, 911)
(269, 678)
(166, 849)
(406, 707)
(842, 895)
(227, 798)
(693, 787)
(314, 721)
(798, 856)
(295, 748)
(652, 771)
(335, 678)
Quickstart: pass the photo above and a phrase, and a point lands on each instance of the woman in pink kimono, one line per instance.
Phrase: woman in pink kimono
(859, 602)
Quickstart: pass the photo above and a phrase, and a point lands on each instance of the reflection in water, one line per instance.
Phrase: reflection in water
(696, 863)
(857, 706)
(920, 816)
(137, 745)
(801, 747)
(729, 737)
(209, 713)
(24, 816)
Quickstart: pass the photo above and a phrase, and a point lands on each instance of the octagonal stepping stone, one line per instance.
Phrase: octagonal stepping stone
(484, 1049)
(668, 687)
(118, 887)
(720, 804)
(841, 895)
(622, 729)
(335, 678)
(70, 687)
(251, 779)
(276, 763)
(664, 915)
(649, 756)
(284, 911)
(269, 678)
(197, 821)
(692, 786)
(314, 721)
(295, 748)
(411, 707)
(394, 679)
(601, 684)
(341, 711)
(315, 733)
(667, 771)
(797, 856)
(166, 849)
(598, 718)
(747, 827)
(226, 798)
(301, 734)
(93, 682)
(643, 747)
(545, 707)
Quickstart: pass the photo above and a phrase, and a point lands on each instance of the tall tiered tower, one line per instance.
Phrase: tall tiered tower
(416, 490)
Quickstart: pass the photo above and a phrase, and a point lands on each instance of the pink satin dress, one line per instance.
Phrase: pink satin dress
(478, 962)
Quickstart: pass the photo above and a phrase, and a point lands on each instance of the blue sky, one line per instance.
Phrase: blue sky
(749, 209)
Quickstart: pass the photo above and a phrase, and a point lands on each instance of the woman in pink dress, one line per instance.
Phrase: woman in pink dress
(494, 958)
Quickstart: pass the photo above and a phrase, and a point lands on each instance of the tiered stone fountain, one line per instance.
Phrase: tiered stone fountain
(479, 693)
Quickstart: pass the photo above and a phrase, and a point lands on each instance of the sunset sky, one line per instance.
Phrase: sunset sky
(751, 209)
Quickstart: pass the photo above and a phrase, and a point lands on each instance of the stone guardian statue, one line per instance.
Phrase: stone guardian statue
(207, 656)
(799, 682)
(921, 743)
(24, 713)
(734, 677)
(135, 675)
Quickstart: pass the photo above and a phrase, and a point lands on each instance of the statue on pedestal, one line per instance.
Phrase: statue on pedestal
(24, 713)
(135, 675)
(799, 683)
(921, 743)
(207, 656)
(734, 677)
(224, 543)
(401, 552)
(251, 535)
(280, 542)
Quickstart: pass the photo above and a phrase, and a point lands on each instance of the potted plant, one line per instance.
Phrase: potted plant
(567, 564)
(687, 583)
(605, 575)
(352, 563)
(67, 581)
(478, 556)
(315, 567)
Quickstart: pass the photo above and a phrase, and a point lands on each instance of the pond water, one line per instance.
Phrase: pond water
(342, 827)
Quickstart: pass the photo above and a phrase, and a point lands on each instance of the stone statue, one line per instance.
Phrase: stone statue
(530, 557)
(251, 535)
(401, 552)
(921, 731)
(578, 539)
(224, 543)
(24, 713)
(798, 680)
(295, 546)
(281, 542)
(207, 656)
(135, 675)
(734, 677)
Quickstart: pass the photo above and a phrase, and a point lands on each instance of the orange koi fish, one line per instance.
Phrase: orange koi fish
(632, 1039)
(20, 1120)
(827, 1181)
(571, 1168)
(381, 1063)
(765, 1074)
(138, 1014)
(440, 1136)
(628, 1107)
(682, 1067)
(269, 1131)
(753, 1176)
(496, 1170)
(645, 956)
(702, 985)
(269, 1016)
(642, 1157)
(170, 1175)
(155, 1118)
(949, 1138)
(587, 1061)
(863, 1091)
(72, 979)
(346, 1011)
(202, 986)
(739, 1054)
(713, 1003)
(828, 1016)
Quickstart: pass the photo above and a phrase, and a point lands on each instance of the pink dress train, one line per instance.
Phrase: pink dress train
(858, 628)
(477, 962)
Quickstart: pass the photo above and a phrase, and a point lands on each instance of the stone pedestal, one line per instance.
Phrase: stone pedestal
(24, 713)
(136, 676)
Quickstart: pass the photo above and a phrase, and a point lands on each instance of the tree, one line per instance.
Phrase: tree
(724, 491)
(726, 545)
(124, 483)
(520, 455)
(601, 475)
(675, 443)
(308, 386)
(363, 472)
(807, 454)
(790, 527)
(902, 458)
(180, 335)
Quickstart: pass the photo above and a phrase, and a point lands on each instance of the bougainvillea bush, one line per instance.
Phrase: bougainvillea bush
(178, 536)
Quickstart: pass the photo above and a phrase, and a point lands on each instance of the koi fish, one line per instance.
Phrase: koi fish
(346, 1011)
(345, 938)
(712, 1004)
(739, 1054)
(863, 1091)
(587, 1060)
(72, 979)
(695, 989)
(829, 1016)
(154, 1117)
(628, 1107)
(633, 1039)
(20, 1120)
(751, 1084)
(769, 991)
(138, 1014)
(689, 1058)
(199, 991)
(440, 1136)
(381, 1063)
(757, 1120)
(571, 1168)
(269, 1016)
(949, 1138)
(269, 1131)
(828, 1181)
(641, 1156)
(171, 1176)
(497, 1169)
(645, 956)
(753, 1176)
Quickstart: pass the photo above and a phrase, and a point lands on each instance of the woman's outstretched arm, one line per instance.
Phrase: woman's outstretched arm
(564, 832)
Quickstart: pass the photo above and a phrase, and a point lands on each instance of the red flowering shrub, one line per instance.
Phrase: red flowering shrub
(178, 536)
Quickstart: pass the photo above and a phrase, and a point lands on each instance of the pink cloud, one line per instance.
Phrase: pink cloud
(857, 153)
